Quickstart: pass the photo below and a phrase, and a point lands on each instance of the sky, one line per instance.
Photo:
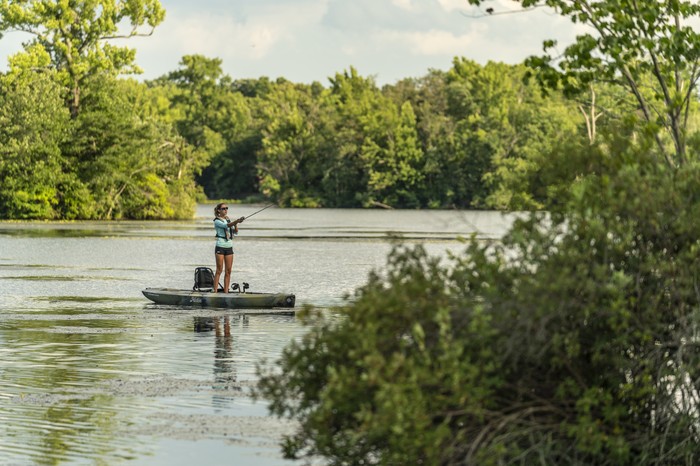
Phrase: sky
(312, 40)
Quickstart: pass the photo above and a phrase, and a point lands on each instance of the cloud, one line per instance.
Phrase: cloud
(403, 4)
(433, 42)
(239, 36)
(452, 5)
(253, 36)
(223, 36)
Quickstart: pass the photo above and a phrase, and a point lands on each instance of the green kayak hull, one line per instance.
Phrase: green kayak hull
(174, 297)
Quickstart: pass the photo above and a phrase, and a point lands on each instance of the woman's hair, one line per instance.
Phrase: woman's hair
(216, 209)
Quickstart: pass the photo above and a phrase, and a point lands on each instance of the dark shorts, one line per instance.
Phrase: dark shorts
(224, 251)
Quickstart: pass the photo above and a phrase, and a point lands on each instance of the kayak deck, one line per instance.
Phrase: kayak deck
(248, 300)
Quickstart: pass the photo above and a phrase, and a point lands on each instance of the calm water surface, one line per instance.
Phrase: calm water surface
(91, 373)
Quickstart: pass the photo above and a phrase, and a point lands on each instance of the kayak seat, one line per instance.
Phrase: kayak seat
(203, 279)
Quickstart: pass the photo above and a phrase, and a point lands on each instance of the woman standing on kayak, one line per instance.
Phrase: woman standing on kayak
(225, 231)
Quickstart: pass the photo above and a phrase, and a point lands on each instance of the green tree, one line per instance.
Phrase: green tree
(214, 120)
(77, 34)
(132, 162)
(197, 102)
(355, 101)
(38, 181)
(649, 48)
(296, 145)
(377, 156)
(232, 172)
(394, 171)
(435, 128)
(503, 131)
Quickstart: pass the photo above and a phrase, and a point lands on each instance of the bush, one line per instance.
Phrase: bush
(573, 341)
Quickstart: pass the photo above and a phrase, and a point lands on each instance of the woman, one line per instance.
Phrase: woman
(225, 230)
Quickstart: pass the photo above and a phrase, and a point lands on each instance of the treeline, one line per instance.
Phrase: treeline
(450, 139)
(471, 137)
(78, 140)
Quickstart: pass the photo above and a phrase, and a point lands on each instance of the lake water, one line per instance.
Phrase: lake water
(92, 373)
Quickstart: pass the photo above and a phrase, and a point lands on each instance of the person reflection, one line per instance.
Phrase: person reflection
(225, 374)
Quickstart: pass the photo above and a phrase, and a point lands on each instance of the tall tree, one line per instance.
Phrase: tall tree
(77, 35)
(296, 145)
(649, 47)
(36, 179)
(232, 172)
(131, 161)
(201, 109)
(394, 168)
(355, 100)
(503, 130)
(377, 156)
(435, 128)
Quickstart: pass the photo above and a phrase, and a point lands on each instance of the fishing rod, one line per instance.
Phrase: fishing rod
(258, 211)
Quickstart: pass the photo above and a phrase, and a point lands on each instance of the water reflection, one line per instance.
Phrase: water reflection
(225, 374)
(51, 409)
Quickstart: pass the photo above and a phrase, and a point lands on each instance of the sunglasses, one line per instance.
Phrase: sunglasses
(223, 208)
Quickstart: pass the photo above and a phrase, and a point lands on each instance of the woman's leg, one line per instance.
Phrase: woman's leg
(219, 268)
(228, 260)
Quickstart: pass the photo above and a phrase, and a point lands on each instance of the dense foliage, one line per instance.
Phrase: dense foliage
(650, 49)
(76, 140)
(572, 342)
(80, 141)
(473, 137)
(74, 34)
(112, 160)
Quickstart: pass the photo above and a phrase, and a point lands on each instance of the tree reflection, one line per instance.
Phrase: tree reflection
(48, 412)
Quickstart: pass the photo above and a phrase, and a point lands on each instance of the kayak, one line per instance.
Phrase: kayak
(246, 300)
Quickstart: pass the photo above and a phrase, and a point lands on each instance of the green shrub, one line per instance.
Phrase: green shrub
(573, 341)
